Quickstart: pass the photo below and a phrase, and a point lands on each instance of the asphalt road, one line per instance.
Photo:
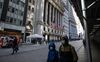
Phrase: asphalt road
(38, 55)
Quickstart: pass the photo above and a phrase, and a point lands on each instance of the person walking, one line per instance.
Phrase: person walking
(53, 53)
(67, 52)
(14, 45)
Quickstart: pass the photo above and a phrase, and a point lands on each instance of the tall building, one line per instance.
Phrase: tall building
(48, 19)
(72, 24)
(11, 17)
(69, 22)
(65, 17)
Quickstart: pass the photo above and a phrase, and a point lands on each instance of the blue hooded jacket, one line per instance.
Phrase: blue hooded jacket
(52, 54)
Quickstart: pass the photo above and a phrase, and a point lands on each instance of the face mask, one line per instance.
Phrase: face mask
(63, 42)
(51, 48)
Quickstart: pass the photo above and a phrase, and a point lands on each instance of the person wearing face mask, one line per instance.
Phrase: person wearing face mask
(53, 53)
(67, 52)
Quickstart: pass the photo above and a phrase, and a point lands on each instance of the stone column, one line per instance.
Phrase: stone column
(46, 12)
(53, 14)
(39, 9)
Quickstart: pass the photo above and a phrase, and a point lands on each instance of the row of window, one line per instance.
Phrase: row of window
(30, 8)
(18, 2)
(1, 4)
(53, 31)
(53, 14)
(32, 1)
(15, 11)
(14, 21)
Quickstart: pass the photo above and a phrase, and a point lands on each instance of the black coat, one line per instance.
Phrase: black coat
(14, 43)
(67, 54)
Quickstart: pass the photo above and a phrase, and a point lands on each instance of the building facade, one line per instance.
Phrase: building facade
(48, 19)
(30, 16)
(72, 25)
(11, 17)
(65, 17)
(53, 19)
(69, 22)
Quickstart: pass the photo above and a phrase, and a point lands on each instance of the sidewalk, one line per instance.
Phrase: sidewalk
(82, 55)
(95, 50)
(81, 51)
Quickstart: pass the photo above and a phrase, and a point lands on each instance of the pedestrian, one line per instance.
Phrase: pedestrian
(67, 52)
(84, 42)
(14, 45)
(53, 53)
(1, 42)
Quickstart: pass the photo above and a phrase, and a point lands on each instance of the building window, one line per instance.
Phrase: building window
(29, 7)
(17, 22)
(44, 17)
(54, 20)
(48, 29)
(21, 3)
(44, 28)
(7, 19)
(9, 8)
(19, 13)
(13, 10)
(30, 1)
(33, 2)
(11, 0)
(14, 21)
(67, 6)
(11, 20)
(52, 30)
(1, 5)
(32, 9)
(16, 11)
(48, 13)
(22, 13)
(16, 1)
(51, 13)
(20, 22)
